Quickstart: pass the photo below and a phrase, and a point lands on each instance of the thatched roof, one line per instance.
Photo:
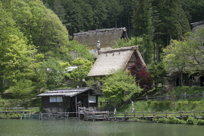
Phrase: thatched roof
(65, 92)
(113, 60)
(107, 37)
(197, 25)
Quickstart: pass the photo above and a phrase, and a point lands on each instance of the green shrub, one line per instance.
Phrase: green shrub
(191, 121)
(174, 120)
(170, 120)
(10, 116)
(119, 87)
(188, 90)
(160, 105)
(200, 122)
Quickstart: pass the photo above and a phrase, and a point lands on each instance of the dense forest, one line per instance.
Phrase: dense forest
(36, 44)
(156, 21)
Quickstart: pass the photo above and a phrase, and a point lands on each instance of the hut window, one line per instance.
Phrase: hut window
(92, 99)
(56, 99)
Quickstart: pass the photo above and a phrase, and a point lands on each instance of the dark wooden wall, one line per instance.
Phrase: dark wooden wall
(68, 104)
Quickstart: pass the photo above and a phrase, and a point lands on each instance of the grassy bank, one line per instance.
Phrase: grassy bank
(164, 106)
(173, 120)
(11, 116)
(167, 106)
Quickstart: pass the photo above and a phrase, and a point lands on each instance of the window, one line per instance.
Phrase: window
(92, 99)
(56, 99)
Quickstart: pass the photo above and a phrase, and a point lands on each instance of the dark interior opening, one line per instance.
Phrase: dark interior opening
(202, 81)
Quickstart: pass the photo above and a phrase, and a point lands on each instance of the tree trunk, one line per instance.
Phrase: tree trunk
(181, 78)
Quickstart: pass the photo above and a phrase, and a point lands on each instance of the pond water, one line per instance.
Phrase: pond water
(83, 128)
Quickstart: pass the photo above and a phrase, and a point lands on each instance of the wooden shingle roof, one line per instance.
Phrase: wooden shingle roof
(65, 92)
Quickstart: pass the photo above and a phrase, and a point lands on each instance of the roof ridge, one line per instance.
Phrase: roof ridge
(101, 30)
(70, 89)
(120, 49)
(197, 23)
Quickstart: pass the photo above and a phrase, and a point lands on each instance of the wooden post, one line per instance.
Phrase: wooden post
(194, 114)
(40, 116)
(180, 114)
(76, 105)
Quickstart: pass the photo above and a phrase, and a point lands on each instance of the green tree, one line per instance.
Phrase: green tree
(80, 73)
(119, 87)
(54, 73)
(173, 22)
(176, 58)
(18, 58)
(39, 24)
(185, 56)
(143, 26)
(194, 9)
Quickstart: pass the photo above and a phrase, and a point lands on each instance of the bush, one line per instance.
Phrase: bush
(119, 87)
(170, 120)
(192, 90)
(200, 122)
(160, 106)
(10, 116)
(130, 42)
(191, 121)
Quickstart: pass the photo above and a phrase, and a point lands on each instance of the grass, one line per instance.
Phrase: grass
(164, 106)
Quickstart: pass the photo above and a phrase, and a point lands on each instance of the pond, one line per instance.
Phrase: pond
(85, 128)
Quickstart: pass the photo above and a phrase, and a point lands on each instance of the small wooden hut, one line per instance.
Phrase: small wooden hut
(68, 100)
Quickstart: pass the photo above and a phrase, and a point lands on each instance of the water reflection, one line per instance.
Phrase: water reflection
(82, 128)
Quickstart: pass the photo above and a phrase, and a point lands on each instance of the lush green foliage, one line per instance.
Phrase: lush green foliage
(84, 15)
(173, 120)
(119, 87)
(34, 50)
(79, 74)
(170, 120)
(158, 74)
(192, 90)
(185, 56)
(156, 21)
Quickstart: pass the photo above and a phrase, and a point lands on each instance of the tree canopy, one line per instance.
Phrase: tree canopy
(119, 87)
(34, 49)
(185, 56)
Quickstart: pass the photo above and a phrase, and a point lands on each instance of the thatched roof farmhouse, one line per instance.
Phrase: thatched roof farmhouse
(107, 37)
(113, 60)
(197, 25)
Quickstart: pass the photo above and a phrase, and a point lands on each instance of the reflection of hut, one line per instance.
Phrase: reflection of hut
(107, 37)
(67, 100)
